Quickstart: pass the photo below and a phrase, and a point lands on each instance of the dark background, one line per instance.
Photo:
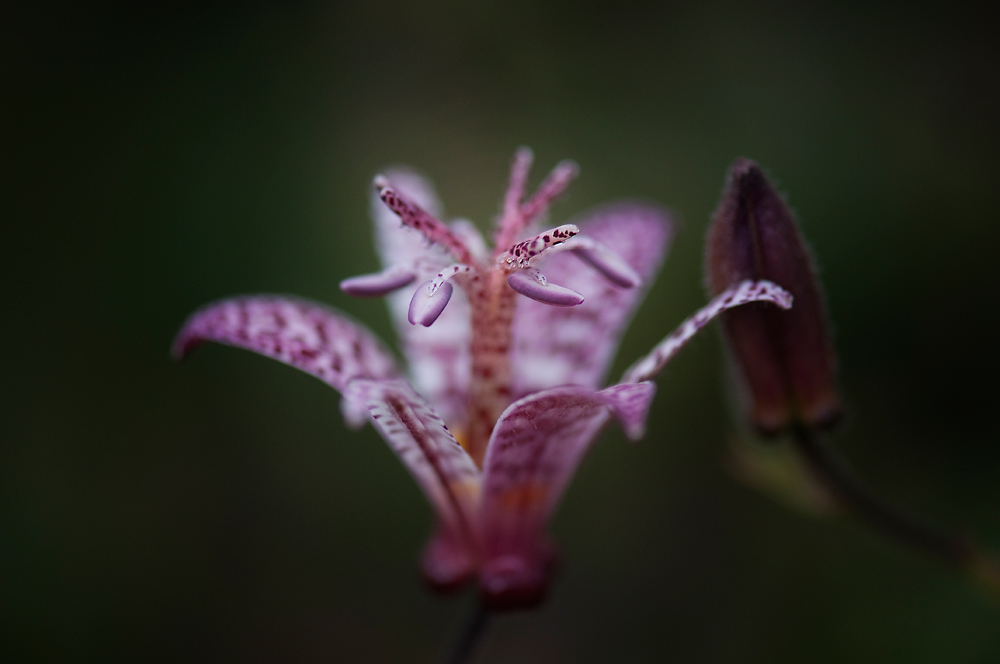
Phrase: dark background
(155, 159)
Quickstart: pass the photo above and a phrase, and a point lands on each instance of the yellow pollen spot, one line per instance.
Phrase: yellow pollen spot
(461, 435)
(466, 492)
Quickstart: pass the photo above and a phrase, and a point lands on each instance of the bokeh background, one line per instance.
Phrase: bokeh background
(154, 159)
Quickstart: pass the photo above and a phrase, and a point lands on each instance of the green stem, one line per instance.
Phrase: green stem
(852, 495)
(470, 636)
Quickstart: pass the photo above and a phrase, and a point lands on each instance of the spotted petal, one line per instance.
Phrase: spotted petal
(444, 471)
(438, 356)
(306, 335)
(742, 293)
(555, 346)
(536, 447)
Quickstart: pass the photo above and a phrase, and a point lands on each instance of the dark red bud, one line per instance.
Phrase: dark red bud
(785, 358)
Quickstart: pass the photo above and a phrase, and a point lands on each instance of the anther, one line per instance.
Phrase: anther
(598, 256)
(428, 303)
(446, 274)
(379, 284)
(532, 283)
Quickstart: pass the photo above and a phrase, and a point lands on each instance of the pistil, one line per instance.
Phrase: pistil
(492, 307)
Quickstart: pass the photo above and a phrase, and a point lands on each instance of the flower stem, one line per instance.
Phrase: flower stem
(957, 550)
(471, 633)
(854, 497)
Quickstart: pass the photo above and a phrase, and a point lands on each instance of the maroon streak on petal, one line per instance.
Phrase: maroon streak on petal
(536, 447)
(444, 471)
(575, 346)
(306, 335)
(426, 306)
(553, 294)
(378, 284)
(742, 293)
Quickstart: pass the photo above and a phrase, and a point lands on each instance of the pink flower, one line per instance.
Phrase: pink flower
(503, 395)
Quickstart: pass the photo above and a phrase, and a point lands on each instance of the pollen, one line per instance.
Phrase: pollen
(461, 435)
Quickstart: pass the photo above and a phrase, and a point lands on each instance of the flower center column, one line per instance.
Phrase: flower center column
(489, 394)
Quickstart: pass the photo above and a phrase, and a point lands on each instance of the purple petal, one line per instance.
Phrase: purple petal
(575, 346)
(355, 413)
(734, 296)
(473, 239)
(552, 294)
(535, 448)
(630, 404)
(306, 335)
(438, 356)
(444, 471)
(379, 284)
(447, 561)
(426, 306)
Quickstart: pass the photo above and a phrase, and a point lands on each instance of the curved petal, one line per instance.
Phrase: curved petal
(438, 356)
(306, 335)
(536, 447)
(736, 295)
(575, 346)
(444, 471)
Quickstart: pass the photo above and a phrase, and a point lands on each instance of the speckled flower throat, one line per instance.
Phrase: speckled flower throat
(490, 281)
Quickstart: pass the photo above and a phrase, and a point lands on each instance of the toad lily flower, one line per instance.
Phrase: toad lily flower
(503, 398)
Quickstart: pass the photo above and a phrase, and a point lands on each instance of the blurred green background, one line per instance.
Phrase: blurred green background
(154, 159)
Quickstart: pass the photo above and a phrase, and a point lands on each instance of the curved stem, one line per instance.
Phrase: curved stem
(470, 636)
(851, 494)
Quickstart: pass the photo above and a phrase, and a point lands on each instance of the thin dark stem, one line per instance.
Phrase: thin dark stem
(470, 635)
(851, 494)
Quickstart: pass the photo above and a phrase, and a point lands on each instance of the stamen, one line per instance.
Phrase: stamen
(553, 187)
(511, 222)
(519, 169)
(379, 284)
(444, 275)
(523, 253)
(532, 283)
(417, 218)
(612, 266)
(428, 303)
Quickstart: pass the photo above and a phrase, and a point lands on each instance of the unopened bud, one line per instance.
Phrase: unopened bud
(785, 358)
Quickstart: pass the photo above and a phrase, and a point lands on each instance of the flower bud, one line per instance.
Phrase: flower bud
(785, 358)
